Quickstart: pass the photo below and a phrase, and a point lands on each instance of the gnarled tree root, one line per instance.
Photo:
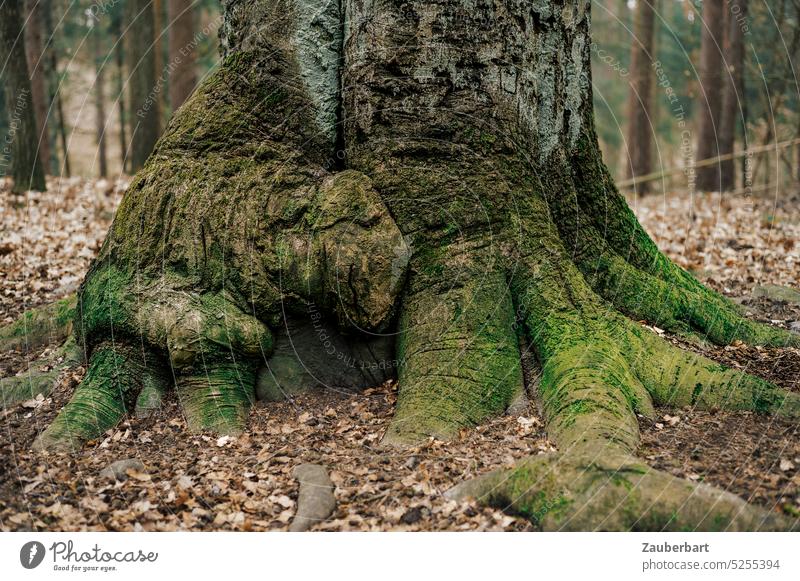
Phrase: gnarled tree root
(113, 381)
(45, 325)
(32, 382)
(603, 490)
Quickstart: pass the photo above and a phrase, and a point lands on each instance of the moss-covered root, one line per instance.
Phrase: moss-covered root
(613, 492)
(679, 378)
(115, 376)
(624, 265)
(40, 326)
(458, 355)
(674, 301)
(214, 349)
(33, 382)
(218, 398)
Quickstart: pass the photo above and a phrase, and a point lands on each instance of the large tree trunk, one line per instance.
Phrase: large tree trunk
(145, 100)
(733, 93)
(26, 165)
(422, 177)
(182, 52)
(709, 94)
(37, 67)
(640, 98)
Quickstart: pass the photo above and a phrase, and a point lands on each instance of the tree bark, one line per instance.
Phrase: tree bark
(710, 93)
(116, 29)
(37, 67)
(640, 98)
(99, 101)
(425, 175)
(182, 52)
(145, 106)
(733, 92)
(26, 165)
(55, 90)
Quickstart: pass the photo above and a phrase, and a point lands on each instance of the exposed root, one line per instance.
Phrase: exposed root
(218, 397)
(458, 353)
(32, 382)
(678, 378)
(115, 376)
(40, 326)
(623, 265)
(600, 490)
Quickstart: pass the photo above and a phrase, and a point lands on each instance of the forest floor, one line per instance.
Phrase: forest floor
(200, 482)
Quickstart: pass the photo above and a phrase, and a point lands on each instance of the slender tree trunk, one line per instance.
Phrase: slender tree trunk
(709, 96)
(99, 101)
(182, 52)
(25, 162)
(641, 123)
(62, 122)
(37, 59)
(145, 104)
(119, 44)
(733, 93)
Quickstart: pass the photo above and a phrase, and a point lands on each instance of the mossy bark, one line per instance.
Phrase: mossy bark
(460, 203)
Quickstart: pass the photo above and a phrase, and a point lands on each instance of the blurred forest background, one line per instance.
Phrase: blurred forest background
(689, 94)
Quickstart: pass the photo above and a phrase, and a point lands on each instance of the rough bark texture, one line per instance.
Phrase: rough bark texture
(26, 165)
(182, 51)
(640, 98)
(448, 196)
(733, 93)
(709, 93)
(145, 104)
(37, 67)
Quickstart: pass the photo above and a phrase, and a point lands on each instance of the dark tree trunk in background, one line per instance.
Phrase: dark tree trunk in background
(37, 68)
(422, 182)
(733, 93)
(119, 46)
(145, 107)
(182, 52)
(55, 88)
(26, 167)
(709, 93)
(99, 100)
(641, 123)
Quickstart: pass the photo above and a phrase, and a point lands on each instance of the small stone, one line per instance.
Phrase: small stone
(786, 465)
(119, 470)
(411, 516)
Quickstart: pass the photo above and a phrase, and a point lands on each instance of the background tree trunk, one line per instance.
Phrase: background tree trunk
(37, 68)
(99, 99)
(709, 97)
(119, 45)
(641, 122)
(182, 52)
(26, 164)
(733, 93)
(145, 107)
(55, 90)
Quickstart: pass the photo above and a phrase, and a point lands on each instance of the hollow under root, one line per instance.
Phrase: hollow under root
(113, 381)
